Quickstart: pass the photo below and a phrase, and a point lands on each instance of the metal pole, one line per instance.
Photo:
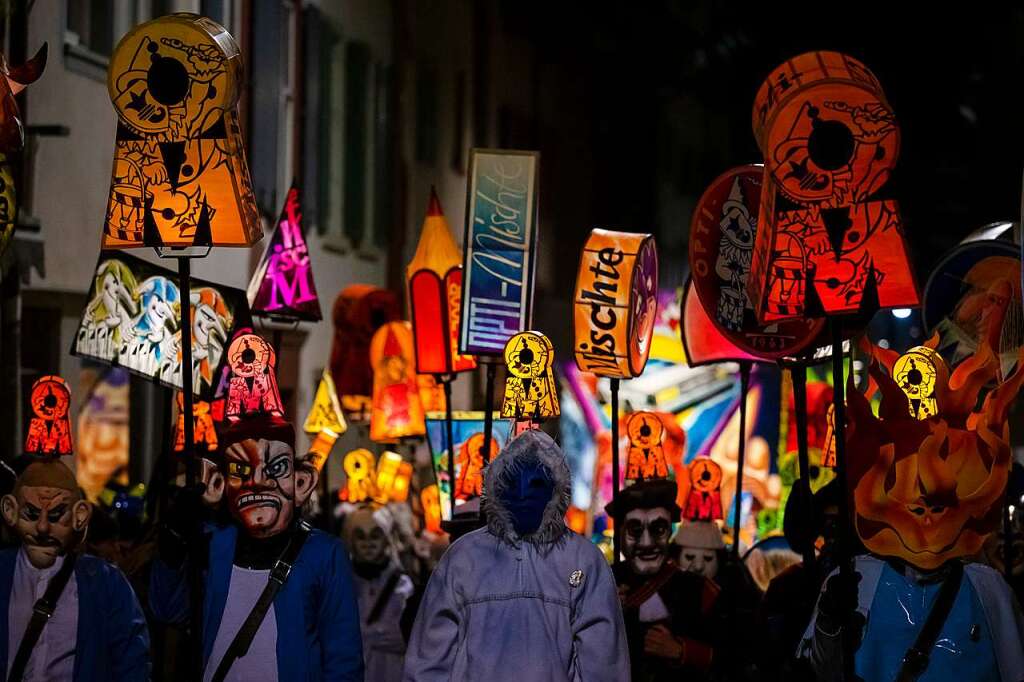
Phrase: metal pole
(839, 428)
(741, 457)
(450, 438)
(616, 535)
(488, 409)
(1008, 535)
(798, 372)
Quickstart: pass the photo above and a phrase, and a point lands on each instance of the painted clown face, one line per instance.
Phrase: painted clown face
(645, 539)
(263, 485)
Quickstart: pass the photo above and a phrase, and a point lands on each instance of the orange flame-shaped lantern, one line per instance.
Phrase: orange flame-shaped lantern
(49, 431)
(435, 297)
(253, 388)
(180, 177)
(396, 411)
(827, 243)
(929, 489)
(646, 456)
(530, 390)
(705, 500)
(616, 303)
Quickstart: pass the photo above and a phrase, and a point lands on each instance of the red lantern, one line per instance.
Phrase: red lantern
(435, 297)
(253, 388)
(49, 432)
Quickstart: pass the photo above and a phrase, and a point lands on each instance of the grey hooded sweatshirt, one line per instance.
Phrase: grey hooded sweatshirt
(539, 608)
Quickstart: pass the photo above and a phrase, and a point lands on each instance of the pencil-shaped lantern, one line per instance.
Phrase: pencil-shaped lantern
(616, 303)
(180, 177)
(829, 239)
(435, 297)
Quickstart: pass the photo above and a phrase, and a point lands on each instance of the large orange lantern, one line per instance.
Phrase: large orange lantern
(828, 241)
(49, 431)
(396, 411)
(930, 490)
(530, 390)
(435, 297)
(616, 303)
(180, 177)
(253, 386)
(721, 248)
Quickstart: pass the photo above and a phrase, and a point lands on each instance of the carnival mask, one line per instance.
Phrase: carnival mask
(265, 485)
(367, 537)
(699, 544)
(930, 490)
(46, 511)
(645, 539)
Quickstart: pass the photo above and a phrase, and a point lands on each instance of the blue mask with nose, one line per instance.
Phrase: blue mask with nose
(525, 494)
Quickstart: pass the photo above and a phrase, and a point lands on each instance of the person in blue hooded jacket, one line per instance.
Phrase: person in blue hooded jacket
(524, 598)
(311, 629)
(96, 630)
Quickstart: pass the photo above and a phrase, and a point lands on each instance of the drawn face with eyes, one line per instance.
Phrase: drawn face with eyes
(264, 486)
(699, 560)
(47, 513)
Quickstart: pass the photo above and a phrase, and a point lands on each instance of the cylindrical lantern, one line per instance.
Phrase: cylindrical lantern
(435, 297)
(616, 303)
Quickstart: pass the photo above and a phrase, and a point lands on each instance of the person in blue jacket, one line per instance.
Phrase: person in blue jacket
(311, 629)
(97, 631)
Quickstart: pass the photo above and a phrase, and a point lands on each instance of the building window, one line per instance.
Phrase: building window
(320, 43)
(355, 158)
(92, 30)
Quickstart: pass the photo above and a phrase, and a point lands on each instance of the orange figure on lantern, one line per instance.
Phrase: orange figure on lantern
(930, 490)
(397, 411)
(470, 463)
(204, 435)
(705, 501)
(431, 501)
(646, 457)
(828, 242)
(435, 296)
(359, 467)
(180, 177)
(49, 431)
(530, 390)
(253, 388)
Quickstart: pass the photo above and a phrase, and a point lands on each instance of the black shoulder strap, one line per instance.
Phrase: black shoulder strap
(278, 575)
(42, 611)
(383, 597)
(916, 660)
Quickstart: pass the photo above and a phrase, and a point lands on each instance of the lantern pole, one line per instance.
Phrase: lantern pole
(842, 539)
(488, 408)
(446, 383)
(798, 373)
(741, 455)
(616, 535)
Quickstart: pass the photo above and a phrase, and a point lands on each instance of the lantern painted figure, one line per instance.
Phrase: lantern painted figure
(150, 345)
(530, 390)
(918, 372)
(927, 493)
(646, 457)
(180, 177)
(397, 411)
(12, 135)
(253, 386)
(359, 311)
(211, 324)
(95, 628)
(435, 297)
(282, 286)
(108, 317)
(616, 303)
(705, 500)
(469, 482)
(49, 431)
(204, 433)
(828, 243)
(721, 247)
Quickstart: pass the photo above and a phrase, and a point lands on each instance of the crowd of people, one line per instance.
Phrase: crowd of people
(227, 580)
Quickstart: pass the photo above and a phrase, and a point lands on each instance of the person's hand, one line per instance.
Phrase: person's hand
(660, 642)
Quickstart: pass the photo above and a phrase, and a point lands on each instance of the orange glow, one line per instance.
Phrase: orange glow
(359, 468)
(204, 435)
(705, 500)
(431, 501)
(49, 431)
(397, 411)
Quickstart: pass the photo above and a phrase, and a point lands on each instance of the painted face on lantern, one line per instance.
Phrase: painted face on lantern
(699, 560)
(47, 512)
(645, 539)
(263, 486)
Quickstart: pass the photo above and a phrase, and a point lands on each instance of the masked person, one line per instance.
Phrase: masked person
(95, 629)
(383, 591)
(926, 493)
(309, 628)
(670, 614)
(700, 548)
(524, 598)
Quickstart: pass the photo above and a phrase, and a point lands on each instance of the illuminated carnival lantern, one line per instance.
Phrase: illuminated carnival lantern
(530, 390)
(49, 430)
(646, 456)
(705, 500)
(253, 386)
(396, 410)
(325, 421)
